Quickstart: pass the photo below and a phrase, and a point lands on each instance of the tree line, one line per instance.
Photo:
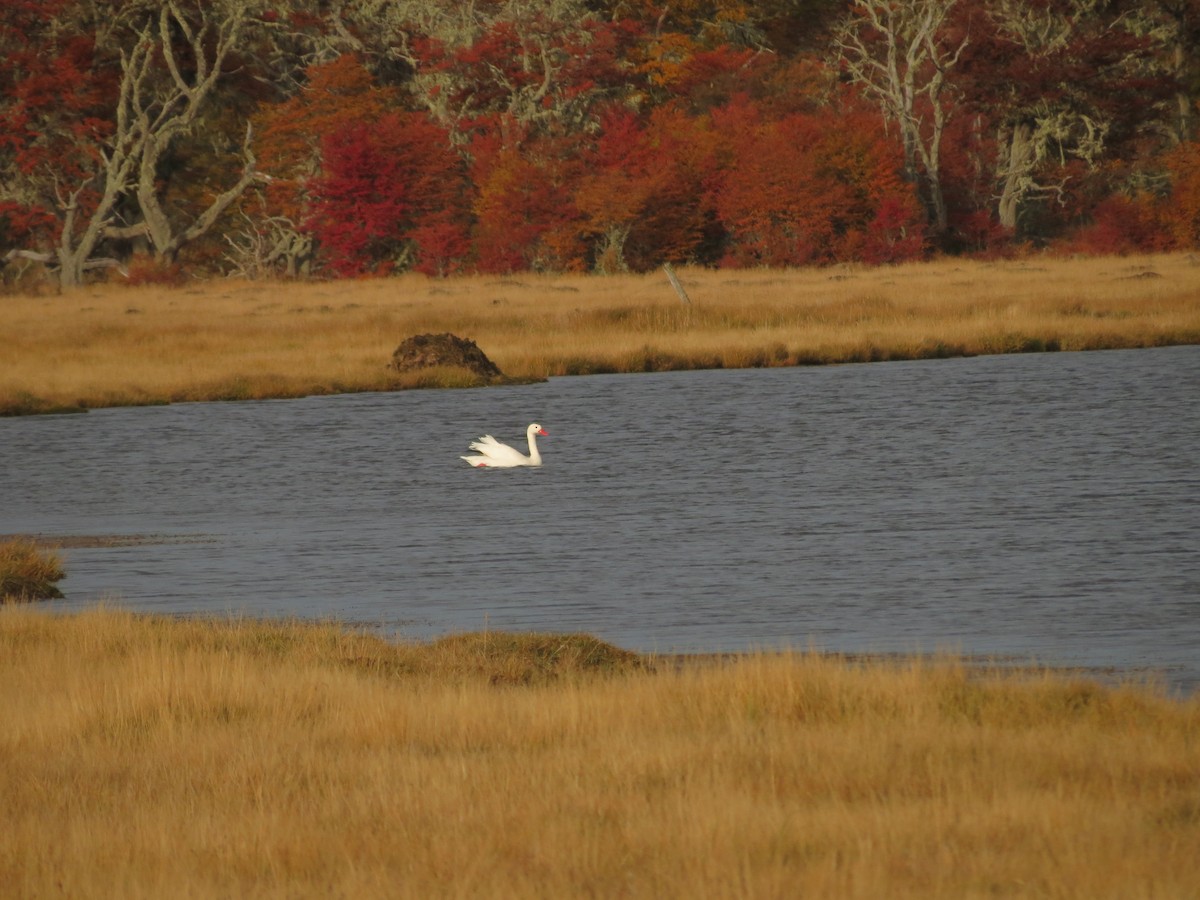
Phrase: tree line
(352, 137)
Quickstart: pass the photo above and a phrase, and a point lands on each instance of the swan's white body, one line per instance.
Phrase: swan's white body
(490, 453)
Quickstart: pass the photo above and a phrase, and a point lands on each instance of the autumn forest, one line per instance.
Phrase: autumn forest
(165, 139)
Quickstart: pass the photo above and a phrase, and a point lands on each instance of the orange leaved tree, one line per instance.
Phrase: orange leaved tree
(643, 199)
(1181, 209)
(812, 188)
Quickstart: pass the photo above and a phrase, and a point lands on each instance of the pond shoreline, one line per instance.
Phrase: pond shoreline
(106, 345)
(989, 664)
(33, 406)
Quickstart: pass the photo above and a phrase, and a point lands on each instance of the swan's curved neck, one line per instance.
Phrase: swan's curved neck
(534, 456)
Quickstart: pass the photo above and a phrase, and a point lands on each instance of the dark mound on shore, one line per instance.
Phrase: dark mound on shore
(425, 351)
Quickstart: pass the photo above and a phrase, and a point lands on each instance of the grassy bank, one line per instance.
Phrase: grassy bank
(28, 571)
(112, 345)
(149, 757)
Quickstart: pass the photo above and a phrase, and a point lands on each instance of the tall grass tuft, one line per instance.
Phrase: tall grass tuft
(28, 572)
(151, 757)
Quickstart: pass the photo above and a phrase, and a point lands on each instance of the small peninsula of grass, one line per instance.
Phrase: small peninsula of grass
(157, 757)
(109, 345)
(28, 571)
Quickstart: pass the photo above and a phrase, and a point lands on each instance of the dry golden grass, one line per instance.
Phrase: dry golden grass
(149, 758)
(113, 345)
(28, 571)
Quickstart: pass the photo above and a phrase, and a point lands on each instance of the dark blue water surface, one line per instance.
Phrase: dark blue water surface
(1045, 507)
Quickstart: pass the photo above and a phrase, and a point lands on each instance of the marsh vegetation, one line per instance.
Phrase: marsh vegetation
(28, 571)
(151, 757)
(110, 345)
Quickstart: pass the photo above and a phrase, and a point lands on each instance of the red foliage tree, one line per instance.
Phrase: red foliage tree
(1180, 212)
(391, 193)
(580, 135)
(524, 215)
(643, 197)
(1121, 224)
(812, 189)
(54, 100)
(334, 95)
(1143, 222)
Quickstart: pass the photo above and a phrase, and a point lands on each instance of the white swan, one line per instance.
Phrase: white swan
(493, 454)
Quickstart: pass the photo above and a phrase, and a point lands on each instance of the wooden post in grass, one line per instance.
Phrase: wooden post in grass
(675, 283)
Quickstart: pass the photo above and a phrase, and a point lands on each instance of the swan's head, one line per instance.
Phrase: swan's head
(535, 428)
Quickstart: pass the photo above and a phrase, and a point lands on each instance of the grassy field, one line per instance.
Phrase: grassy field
(110, 345)
(151, 757)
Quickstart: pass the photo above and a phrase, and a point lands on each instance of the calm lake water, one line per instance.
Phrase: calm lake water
(1044, 507)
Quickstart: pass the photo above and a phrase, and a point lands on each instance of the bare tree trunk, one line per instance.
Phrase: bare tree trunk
(162, 115)
(78, 238)
(895, 49)
(611, 257)
(931, 156)
(1183, 99)
(1016, 163)
(164, 237)
(73, 250)
(1179, 18)
(173, 54)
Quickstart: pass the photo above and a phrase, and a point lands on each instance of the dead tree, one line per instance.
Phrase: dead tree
(898, 50)
(172, 56)
(160, 111)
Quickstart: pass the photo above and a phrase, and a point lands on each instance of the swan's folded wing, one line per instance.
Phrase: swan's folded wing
(486, 444)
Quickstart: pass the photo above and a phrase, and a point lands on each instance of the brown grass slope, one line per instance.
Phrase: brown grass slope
(147, 757)
(111, 345)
